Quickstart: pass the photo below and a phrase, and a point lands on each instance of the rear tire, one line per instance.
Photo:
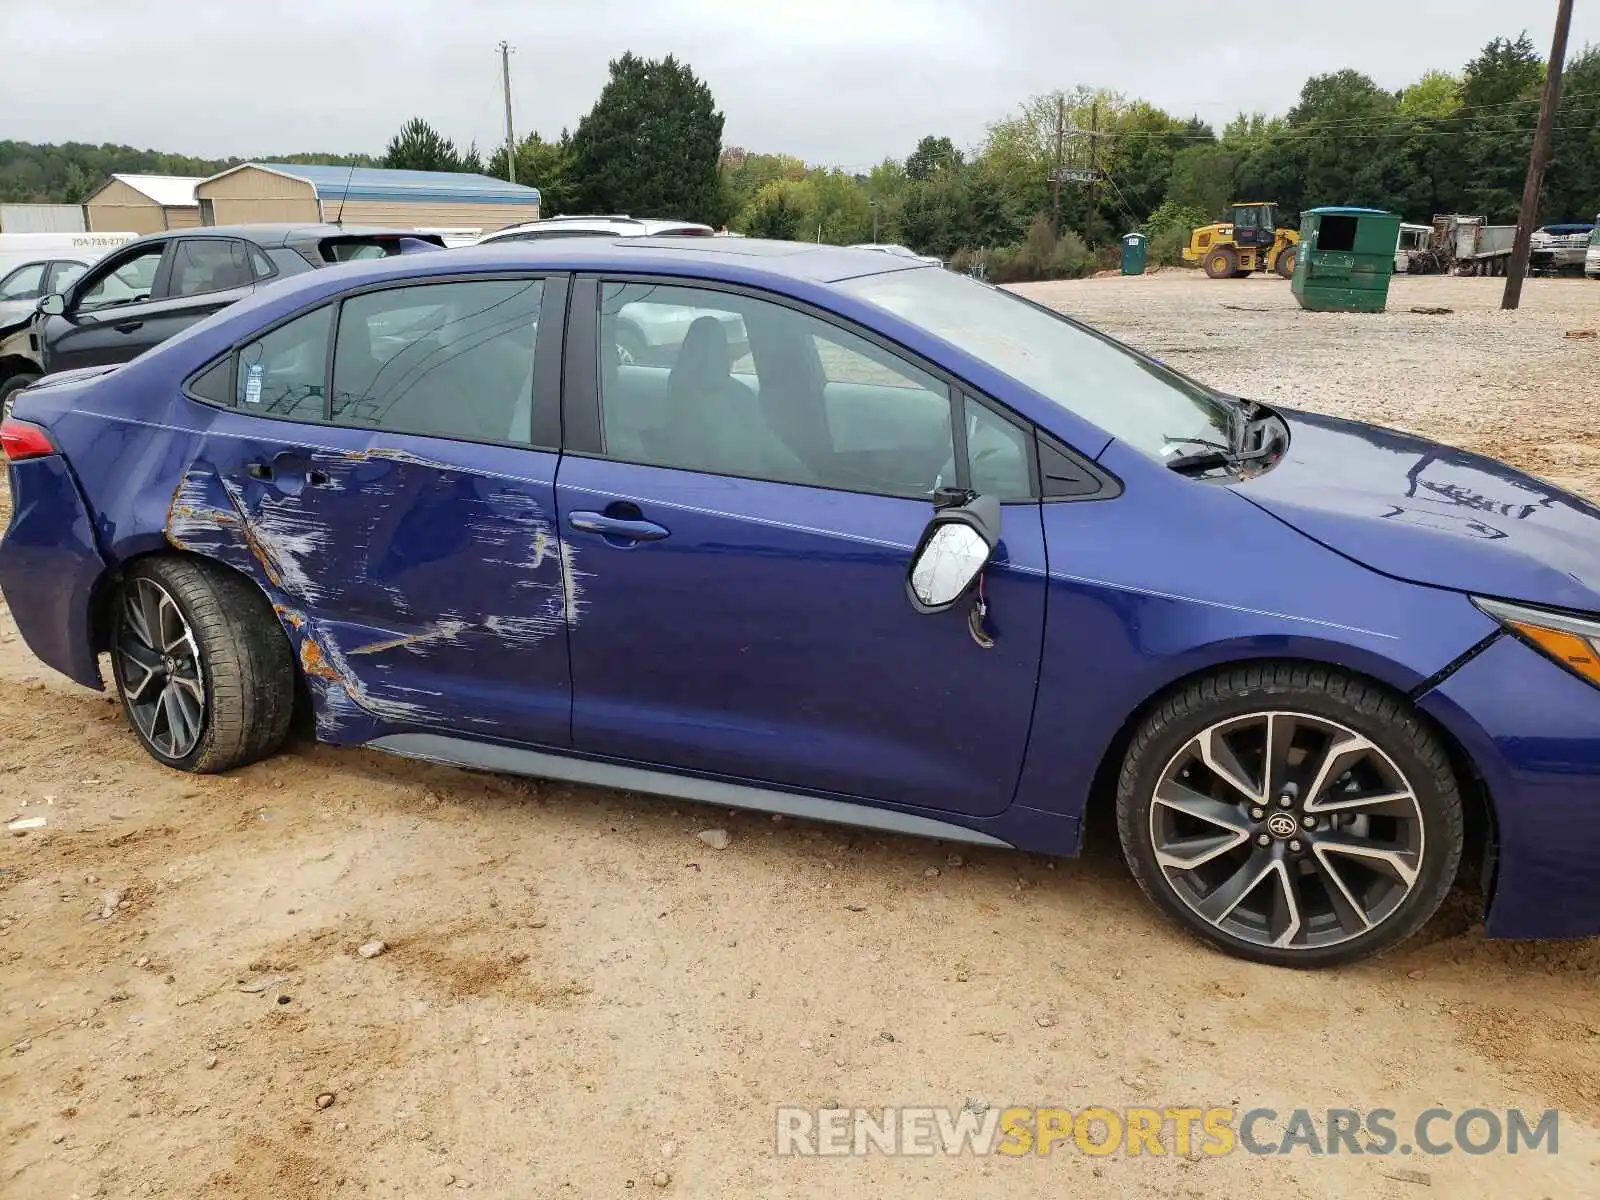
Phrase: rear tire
(10, 387)
(203, 666)
(1286, 260)
(1290, 814)
(1222, 263)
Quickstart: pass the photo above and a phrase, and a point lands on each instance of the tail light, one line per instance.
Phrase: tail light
(21, 440)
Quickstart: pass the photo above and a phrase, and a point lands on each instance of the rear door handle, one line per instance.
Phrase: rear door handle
(618, 528)
(128, 326)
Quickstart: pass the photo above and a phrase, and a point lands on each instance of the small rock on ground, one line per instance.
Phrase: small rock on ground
(717, 839)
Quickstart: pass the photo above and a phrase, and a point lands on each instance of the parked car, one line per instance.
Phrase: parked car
(19, 248)
(32, 265)
(597, 226)
(934, 559)
(1558, 248)
(150, 289)
(23, 288)
(644, 332)
(902, 251)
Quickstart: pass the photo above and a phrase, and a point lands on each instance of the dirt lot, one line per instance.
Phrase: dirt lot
(580, 998)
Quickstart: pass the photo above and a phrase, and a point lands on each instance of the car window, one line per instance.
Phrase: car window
(736, 385)
(281, 373)
(997, 454)
(64, 276)
(450, 360)
(1149, 406)
(358, 249)
(261, 263)
(129, 280)
(201, 265)
(25, 283)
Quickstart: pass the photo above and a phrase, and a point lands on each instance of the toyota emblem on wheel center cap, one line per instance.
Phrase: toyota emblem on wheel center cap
(1282, 825)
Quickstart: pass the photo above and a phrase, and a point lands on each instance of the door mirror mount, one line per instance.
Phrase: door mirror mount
(53, 305)
(953, 551)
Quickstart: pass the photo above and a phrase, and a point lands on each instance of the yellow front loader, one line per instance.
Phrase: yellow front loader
(1249, 241)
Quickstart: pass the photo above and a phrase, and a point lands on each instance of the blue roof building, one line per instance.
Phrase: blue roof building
(434, 200)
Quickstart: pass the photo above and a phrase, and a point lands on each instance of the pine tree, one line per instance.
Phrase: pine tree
(651, 144)
(420, 147)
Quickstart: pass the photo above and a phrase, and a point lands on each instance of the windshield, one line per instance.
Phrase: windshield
(1136, 401)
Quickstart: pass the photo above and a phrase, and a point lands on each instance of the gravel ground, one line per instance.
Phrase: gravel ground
(578, 996)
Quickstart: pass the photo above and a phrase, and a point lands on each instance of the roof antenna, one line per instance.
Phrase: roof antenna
(338, 217)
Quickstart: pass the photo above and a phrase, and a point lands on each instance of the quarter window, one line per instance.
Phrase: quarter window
(449, 360)
(201, 265)
(997, 454)
(733, 385)
(281, 374)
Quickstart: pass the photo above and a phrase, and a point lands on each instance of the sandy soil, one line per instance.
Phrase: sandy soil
(580, 998)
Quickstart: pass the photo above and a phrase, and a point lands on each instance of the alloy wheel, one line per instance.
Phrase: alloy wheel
(1287, 830)
(158, 665)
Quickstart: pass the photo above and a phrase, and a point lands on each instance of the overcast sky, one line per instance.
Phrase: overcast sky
(836, 81)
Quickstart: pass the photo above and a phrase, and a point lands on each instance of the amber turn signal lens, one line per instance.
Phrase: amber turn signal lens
(1575, 653)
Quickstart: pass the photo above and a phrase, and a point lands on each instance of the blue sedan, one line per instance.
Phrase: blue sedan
(866, 542)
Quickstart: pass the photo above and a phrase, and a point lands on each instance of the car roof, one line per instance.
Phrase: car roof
(622, 226)
(270, 236)
(752, 260)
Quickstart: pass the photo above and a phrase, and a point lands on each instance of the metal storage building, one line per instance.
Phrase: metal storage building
(41, 218)
(363, 196)
(143, 204)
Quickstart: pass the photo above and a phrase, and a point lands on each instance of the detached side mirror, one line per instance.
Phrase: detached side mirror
(954, 550)
(53, 305)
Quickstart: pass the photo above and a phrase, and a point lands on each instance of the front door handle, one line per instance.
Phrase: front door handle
(128, 326)
(619, 529)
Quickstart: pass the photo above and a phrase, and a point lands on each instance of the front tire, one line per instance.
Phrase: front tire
(1291, 815)
(1285, 266)
(203, 667)
(1222, 263)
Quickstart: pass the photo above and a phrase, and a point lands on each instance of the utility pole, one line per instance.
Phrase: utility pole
(1094, 164)
(1055, 176)
(1545, 134)
(511, 138)
(874, 206)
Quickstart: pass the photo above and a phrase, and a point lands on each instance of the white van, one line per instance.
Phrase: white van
(19, 248)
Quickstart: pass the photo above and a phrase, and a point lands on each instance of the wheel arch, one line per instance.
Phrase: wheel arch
(102, 597)
(1477, 799)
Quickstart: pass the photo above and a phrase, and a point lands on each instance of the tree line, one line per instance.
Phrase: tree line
(652, 146)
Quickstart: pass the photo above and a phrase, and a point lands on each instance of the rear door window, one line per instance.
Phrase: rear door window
(203, 265)
(448, 360)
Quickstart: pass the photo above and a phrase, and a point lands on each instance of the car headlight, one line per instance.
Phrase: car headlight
(1572, 641)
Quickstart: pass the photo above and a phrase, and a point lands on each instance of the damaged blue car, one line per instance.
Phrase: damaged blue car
(862, 540)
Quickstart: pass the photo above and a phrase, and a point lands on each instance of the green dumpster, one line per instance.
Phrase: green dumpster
(1345, 260)
(1135, 253)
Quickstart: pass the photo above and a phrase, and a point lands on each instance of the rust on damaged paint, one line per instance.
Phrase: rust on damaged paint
(315, 664)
